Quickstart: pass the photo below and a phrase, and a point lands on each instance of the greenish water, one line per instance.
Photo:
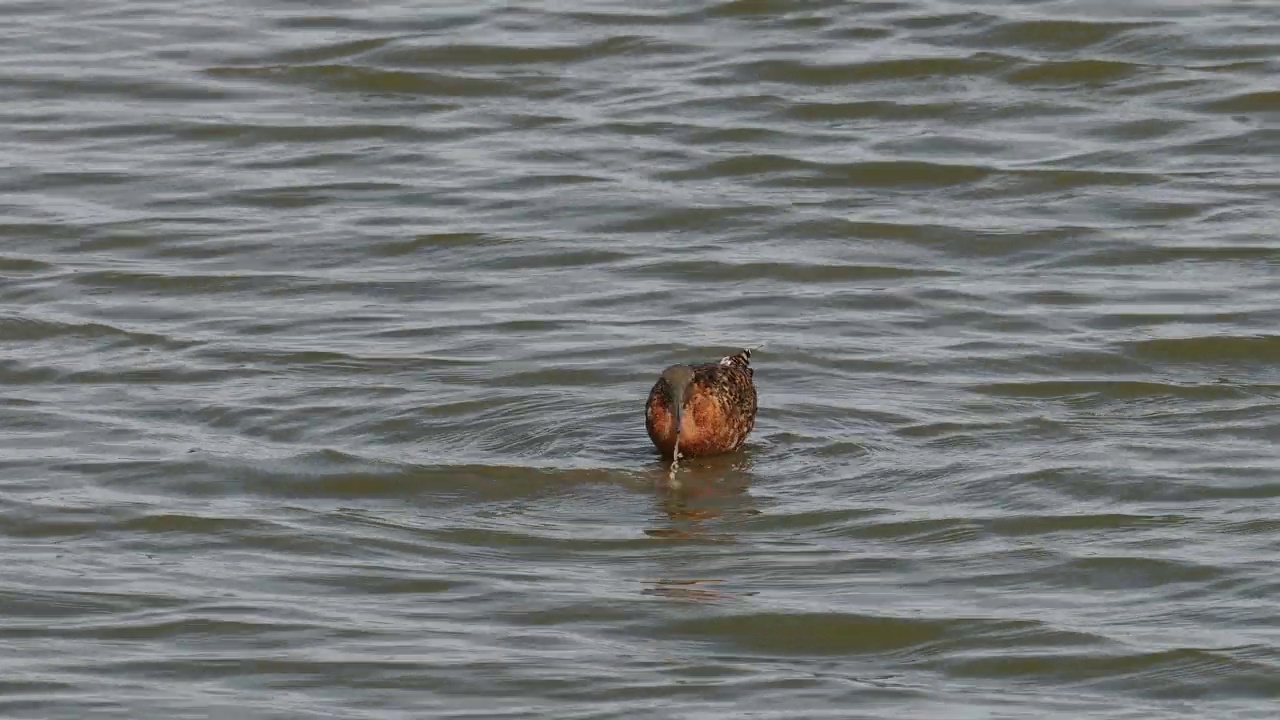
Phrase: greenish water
(325, 333)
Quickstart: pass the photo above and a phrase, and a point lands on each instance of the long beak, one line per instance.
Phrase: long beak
(679, 413)
(677, 399)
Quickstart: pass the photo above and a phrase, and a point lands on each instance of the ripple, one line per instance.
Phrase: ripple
(1171, 674)
(1058, 35)
(783, 272)
(861, 174)
(350, 78)
(793, 71)
(1248, 102)
(1095, 73)
(1227, 349)
(327, 333)
(1114, 390)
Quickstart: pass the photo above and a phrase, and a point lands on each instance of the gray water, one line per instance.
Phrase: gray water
(325, 332)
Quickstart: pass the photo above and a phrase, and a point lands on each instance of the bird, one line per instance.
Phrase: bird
(704, 409)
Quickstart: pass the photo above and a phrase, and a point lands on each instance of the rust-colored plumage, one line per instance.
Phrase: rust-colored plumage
(712, 407)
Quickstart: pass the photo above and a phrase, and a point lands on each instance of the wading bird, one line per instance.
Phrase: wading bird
(702, 409)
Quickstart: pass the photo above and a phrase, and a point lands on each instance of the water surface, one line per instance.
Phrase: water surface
(325, 332)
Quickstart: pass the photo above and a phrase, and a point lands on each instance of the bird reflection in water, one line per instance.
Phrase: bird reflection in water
(710, 488)
(711, 491)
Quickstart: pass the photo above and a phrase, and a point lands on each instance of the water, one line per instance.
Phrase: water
(325, 331)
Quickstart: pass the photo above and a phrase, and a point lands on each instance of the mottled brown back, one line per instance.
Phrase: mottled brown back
(719, 411)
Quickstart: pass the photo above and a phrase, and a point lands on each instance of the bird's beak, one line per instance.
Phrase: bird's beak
(677, 398)
(679, 415)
